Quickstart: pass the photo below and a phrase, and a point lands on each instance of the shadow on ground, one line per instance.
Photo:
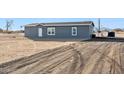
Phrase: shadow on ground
(105, 39)
(97, 39)
(54, 39)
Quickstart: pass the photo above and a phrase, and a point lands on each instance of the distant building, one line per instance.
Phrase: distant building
(60, 30)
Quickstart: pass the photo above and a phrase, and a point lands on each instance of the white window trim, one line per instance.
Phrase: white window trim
(50, 29)
(73, 31)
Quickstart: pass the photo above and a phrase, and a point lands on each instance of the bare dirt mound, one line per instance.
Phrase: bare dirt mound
(78, 58)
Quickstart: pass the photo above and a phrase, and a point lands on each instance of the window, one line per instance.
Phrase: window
(51, 31)
(74, 31)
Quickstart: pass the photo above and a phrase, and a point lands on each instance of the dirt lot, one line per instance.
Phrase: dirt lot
(77, 58)
(29, 56)
(14, 46)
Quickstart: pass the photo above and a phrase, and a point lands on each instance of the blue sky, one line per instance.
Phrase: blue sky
(105, 22)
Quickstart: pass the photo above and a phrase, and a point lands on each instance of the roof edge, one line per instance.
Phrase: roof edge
(60, 23)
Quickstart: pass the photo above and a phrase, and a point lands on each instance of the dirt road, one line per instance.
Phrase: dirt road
(78, 58)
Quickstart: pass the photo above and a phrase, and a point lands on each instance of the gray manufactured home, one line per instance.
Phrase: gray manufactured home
(60, 30)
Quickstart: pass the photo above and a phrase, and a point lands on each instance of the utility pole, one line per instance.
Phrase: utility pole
(99, 24)
(99, 27)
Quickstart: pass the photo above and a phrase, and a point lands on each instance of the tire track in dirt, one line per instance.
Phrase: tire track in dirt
(122, 57)
(92, 61)
(17, 64)
(115, 60)
(76, 64)
(86, 57)
(105, 54)
(41, 64)
(80, 58)
(50, 63)
(111, 60)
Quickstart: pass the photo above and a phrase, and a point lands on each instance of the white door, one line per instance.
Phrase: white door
(40, 32)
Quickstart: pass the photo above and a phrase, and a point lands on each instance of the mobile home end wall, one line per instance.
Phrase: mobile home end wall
(31, 32)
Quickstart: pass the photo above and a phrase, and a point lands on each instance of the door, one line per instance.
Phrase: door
(40, 34)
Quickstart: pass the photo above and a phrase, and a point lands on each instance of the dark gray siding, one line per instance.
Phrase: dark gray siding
(31, 32)
(91, 28)
(83, 32)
